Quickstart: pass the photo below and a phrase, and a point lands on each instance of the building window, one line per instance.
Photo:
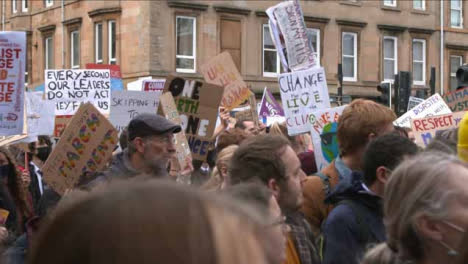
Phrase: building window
(14, 8)
(419, 61)
(391, 3)
(49, 53)
(75, 49)
(313, 34)
(455, 62)
(98, 42)
(390, 58)
(186, 44)
(419, 4)
(49, 3)
(112, 42)
(349, 56)
(456, 13)
(271, 60)
(24, 5)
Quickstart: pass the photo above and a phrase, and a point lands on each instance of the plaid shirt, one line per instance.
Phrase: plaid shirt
(303, 238)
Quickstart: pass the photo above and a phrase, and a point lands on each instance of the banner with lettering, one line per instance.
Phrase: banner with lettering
(269, 106)
(197, 103)
(457, 100)
(69, 88)
(154, 85)
(301, 93)
(426, 129)
(433, 105)
(85, 147)
(115, 74)
(12, 68)
(222, 71)
(40, 114)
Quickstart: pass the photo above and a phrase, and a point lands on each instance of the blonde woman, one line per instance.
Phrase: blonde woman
(219, 179)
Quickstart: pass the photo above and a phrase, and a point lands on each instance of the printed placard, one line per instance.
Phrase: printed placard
(324, 135)
(12, 68)
(413, 102)
(301, 93)
(425, 129)
(69, 88)
(433, 105)
(125, 105)
(156, 85)
(197, 103)
(85, 146)
(269, 106)
(222, 71)
(40, 114)
(457, 100)
(115, 74)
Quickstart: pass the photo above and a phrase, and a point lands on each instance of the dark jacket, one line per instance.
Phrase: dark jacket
(34, 188)
(354, 224)
(303, 238)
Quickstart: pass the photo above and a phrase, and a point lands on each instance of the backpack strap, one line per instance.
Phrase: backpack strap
(365, 235)
(325, 181)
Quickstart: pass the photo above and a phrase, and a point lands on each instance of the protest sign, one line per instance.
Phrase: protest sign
(457, 100)
(156, 85)
(115, 74)
(222, 71)
(413, 102)
(324, 127)
(301, 93)
(425, 129)
(40, 114)
(169, 109)
(287, 23)
(12, 67)
(61, 122)
(85, 147)
(433, 105)
(69, 88)
(248, 112)
(125, 105)
(197, 103)
(269, 106)
(11, 139)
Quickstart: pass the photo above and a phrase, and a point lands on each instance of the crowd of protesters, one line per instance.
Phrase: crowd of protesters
(257, 198)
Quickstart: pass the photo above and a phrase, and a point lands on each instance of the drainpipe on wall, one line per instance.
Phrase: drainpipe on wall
(3, 15)
(441, 47)
(63, 36)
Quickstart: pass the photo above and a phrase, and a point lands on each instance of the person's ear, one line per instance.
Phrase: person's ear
(429, 228)
(382, 174)
(274, 187)
(139, 144)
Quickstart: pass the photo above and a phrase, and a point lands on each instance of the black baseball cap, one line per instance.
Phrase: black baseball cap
(145, 125)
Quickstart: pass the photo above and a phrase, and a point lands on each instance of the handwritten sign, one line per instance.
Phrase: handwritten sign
(156, 85)
(86, 146)
(413, 102)
(125, 105)
(40, 114)
(222, 71)
(169, 109)
(197, 103)
(12, 68)
(425, 129)
(301, 93)
(269, 106)
(115, 74)
(69, 88)
(457, 100)
(433, 105)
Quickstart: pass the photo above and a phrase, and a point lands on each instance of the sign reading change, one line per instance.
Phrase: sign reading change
(69, 88)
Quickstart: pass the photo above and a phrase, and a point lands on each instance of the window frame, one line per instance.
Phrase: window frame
(278, 60)
(423, 41)
(109, 41)
(395, 59)
(46, 52)
(14, 6)
(49, 3)
(355, 61)
(392, 4)
(460, 15)
(72, 49)
(24, 5)
(194, 45)
(423, 5)
(317, 32)
(454, 74)
(98, 45)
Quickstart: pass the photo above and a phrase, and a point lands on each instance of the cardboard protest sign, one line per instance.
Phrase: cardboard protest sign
(40, 114)
(301, 93)
(269, 106)
(324, 130)
(60, 124)
(69, 88)
(425, 129)
(413, 102)
(457, 100)
(115, 74)
(287, 23)
(433, 105)
(12, 139)
(169, 109)
(197, 103)
(222, 71)
(85, 146)
(12, 68)
(125, 105)
(156, 85)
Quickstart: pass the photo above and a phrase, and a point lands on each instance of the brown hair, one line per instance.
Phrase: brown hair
(359, 119)
(223, 159)
(148, 222)
(230, 137)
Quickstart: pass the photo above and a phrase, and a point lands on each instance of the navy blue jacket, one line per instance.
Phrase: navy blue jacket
(345, 239)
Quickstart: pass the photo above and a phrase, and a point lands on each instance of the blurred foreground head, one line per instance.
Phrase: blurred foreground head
(150, 222)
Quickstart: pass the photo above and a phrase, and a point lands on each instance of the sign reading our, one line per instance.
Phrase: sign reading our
(197, 103)
(301, 93)
(425, 129)
(457, 100)
(69, 88)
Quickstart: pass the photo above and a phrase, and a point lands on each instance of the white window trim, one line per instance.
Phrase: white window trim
(49, 3)
(96, 42)
(423, 82)
(72, 49)
(14, 6)
(194, 46)
(317, 31)
(395, 59)
(423, 5)
(46, 53)
(24, 8)
(354, 78)
(461, 14)
(392, 4)
(278, 61)
(110, 22)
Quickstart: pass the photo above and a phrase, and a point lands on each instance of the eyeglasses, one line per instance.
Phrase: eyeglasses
(327, 138)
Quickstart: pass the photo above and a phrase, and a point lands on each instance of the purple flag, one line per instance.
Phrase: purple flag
(269, 106)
